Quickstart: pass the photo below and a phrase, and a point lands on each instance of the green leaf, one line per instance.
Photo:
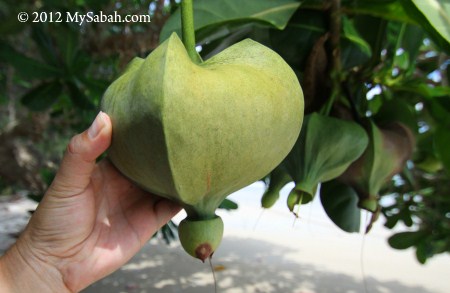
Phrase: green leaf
(43, 96)
(441, 145)
(45, 46)
(324, 150)
(391, 221)
(387, 9)
(399, 110)
(307, 26)
(223, 16)
(434, 17)
(78, 98)
(440, 110)
(352, 35)
(355, 50)
(228, 205)
(404, 240)
(80, 64)
(27, 67)
(340, 202)
(419, 87)
(95, 86)
(412, 41)
(422, 253)
(67, 42)
(426, 158)
(169, 232)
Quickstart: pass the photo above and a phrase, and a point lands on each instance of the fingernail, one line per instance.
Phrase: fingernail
(96, 126)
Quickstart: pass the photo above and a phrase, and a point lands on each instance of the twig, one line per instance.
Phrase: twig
(335, 30)
(334, 8)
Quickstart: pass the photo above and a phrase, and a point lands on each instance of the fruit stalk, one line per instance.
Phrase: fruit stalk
(188, 31)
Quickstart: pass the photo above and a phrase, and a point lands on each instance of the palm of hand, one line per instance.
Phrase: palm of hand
(92, 233)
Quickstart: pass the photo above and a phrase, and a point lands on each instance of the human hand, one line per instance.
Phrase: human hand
(90, 222)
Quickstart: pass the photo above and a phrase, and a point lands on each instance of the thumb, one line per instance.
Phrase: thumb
(79, 159)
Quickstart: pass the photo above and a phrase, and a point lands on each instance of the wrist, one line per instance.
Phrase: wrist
(21, 271)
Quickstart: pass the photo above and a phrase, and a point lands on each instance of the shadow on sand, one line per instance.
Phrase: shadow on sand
(242, 265)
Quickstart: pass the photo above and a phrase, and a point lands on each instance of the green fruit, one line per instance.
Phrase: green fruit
(295, 198)
(200, 238)
(386, 155)
(278, 178)
(195, 133)
(324, 150)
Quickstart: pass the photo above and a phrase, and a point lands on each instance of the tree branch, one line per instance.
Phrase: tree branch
(335, 30)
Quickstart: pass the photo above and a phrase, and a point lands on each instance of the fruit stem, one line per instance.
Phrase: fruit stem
(188, 31)
(213, 274)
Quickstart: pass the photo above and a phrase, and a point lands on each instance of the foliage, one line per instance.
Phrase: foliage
(375, 62)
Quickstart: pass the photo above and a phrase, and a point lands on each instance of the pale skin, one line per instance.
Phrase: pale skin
(91, 221)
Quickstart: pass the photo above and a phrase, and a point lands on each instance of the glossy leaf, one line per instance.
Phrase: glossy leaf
(434, 17)
(412, 41)
(324, 150)
(352, 35)
(219, 17)
(340, 202)
(404, 240)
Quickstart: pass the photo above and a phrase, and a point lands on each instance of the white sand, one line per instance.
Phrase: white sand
(270, 255)
(273, 255)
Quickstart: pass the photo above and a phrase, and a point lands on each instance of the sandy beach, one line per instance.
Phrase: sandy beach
(269, 251)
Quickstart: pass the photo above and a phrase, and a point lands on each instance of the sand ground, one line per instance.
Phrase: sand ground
(268, 252)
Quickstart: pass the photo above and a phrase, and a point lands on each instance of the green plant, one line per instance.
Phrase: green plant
(374, 62)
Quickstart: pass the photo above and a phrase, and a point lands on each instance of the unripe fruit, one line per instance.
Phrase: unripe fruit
(195, 133)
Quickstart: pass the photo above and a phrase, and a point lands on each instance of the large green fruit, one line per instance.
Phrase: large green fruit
(195, 133)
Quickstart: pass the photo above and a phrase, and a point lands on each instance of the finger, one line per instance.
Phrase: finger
(150, 214)
(165, 210)
(79, 160)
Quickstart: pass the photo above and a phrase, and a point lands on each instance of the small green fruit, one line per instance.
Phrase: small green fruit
(324, 150)
(386, 155)
(200, 238)
(278, 178)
